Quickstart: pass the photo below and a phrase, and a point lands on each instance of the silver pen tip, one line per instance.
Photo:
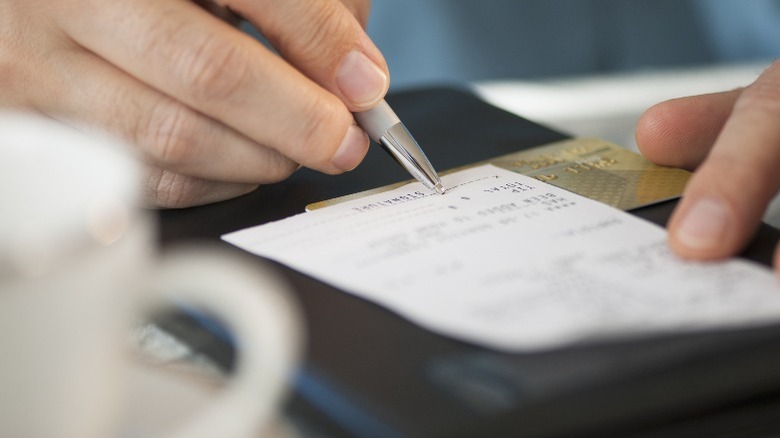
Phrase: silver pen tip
(439, 188)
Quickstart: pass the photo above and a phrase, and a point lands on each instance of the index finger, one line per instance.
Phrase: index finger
(725, 199)
(184, 52)
(325, 40)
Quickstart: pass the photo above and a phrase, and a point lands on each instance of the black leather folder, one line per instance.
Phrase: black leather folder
(368, 372)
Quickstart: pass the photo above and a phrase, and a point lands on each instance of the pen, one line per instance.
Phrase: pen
(385, 128)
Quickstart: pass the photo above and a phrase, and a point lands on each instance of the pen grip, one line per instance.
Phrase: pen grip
(377, 120)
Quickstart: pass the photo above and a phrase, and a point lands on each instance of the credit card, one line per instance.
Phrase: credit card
(590, 167)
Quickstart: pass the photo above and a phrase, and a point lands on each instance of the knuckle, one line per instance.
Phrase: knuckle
(318, 42)
(168, 132)
(360, 9)
(280, 169)
(169, 190)
(172, 190)
(214, 69)
(759, 99)
(762, 97)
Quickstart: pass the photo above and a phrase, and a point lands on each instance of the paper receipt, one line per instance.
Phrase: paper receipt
(507, 261)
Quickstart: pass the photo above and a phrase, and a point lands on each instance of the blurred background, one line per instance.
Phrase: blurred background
(588, 67)
(468, 41)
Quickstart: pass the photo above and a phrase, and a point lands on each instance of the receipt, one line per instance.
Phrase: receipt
(507, 261)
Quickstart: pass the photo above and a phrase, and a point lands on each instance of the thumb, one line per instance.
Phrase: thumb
(724, 201)
(326, 42)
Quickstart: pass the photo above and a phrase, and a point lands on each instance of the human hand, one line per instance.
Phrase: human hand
(212, 111)
(732, 139)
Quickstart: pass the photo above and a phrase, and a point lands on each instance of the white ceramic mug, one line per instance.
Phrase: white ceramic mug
(78, 263)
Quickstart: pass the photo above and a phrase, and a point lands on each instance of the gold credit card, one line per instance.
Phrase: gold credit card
(589, 167)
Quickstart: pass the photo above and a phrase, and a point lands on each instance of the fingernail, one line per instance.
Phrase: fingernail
(704, 225)
(352, 149)
(360, 79)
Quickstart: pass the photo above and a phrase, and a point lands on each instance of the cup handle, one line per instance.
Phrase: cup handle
(252, 303)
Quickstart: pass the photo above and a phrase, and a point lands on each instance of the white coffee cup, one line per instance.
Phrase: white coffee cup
(78, 264)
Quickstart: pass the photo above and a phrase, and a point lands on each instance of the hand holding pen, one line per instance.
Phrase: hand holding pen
(211, 111)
